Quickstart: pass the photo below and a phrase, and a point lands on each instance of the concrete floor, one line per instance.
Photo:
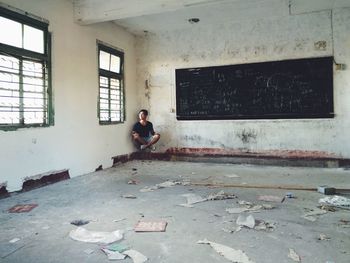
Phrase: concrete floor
(44, 231)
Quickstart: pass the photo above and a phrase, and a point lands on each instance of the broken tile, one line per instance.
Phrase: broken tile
(150, 226)
(22, 208)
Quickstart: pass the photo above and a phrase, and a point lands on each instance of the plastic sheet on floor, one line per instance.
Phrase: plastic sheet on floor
(337, 201)
(84, 235)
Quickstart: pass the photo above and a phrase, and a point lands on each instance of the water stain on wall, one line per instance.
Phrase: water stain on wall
(247, 135)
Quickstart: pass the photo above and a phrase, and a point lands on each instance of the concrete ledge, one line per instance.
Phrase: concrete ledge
(215, 155)
(40, 180)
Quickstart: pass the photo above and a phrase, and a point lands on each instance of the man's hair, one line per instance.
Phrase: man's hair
(144, 112)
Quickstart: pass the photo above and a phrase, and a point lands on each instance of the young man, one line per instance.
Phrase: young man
(143, 133)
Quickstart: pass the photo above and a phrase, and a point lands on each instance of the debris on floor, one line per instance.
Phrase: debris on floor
(192, 199)
(337, 201)
(132, 181)
(136, 256)
(264, 225)
(232, 175)
(311, 215)
(150, 226)
(80, 222)
(248, 207)
(116, 247)
(248, 221)
(293, 255)
(113, 255)
(14, 240)
(166, 184)
(271, 198)
(323, 237)
(84, 235)
(234, 255)
(129, 196)
(220, 196)
(22, 208)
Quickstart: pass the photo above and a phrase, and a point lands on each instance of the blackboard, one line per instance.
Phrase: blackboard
(299, 88)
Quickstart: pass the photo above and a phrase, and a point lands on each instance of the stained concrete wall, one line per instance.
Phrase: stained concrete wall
(246, 41)
(76, 142)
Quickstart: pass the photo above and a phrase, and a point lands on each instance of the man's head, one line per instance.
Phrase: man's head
(143, 114)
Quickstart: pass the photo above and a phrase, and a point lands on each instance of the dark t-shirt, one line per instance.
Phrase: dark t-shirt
(144, 131)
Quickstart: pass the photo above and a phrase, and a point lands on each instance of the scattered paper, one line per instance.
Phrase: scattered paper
(234, 255)
(14, 240)
(293, 255)
(84, 235)
(136, 256)
(150, 226)
(337, 201)
(248, 221)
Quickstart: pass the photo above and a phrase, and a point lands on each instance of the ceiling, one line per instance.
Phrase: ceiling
(140, 16)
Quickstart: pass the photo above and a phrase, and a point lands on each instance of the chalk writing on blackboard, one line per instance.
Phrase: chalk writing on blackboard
(300, 88)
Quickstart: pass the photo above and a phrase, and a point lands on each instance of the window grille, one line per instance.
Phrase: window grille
(25, 98)
(111, 90)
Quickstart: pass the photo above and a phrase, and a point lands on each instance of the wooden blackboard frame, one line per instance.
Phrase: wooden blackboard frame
(221, 90)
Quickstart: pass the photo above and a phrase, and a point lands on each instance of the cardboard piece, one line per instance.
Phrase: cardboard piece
(22, 208)
(150, 226)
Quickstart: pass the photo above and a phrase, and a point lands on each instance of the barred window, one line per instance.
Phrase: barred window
(111, 89)
(25, 94)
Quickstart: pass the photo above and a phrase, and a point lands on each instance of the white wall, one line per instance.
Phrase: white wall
(76, 142)
(245, 41)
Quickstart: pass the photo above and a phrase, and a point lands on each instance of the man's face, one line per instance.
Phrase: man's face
(142, 116)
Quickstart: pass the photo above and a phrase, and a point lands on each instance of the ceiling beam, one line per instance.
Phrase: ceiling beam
(95, 11)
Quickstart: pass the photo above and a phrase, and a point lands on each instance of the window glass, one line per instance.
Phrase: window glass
(115, 64)
(33, 39)
(11, 32)
(104, 60)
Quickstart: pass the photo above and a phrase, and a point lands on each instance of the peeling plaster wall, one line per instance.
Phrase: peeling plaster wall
(247, 41)
(76, 142)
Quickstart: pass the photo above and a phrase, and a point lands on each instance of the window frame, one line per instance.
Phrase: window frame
(27, 55)
(101, 46)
